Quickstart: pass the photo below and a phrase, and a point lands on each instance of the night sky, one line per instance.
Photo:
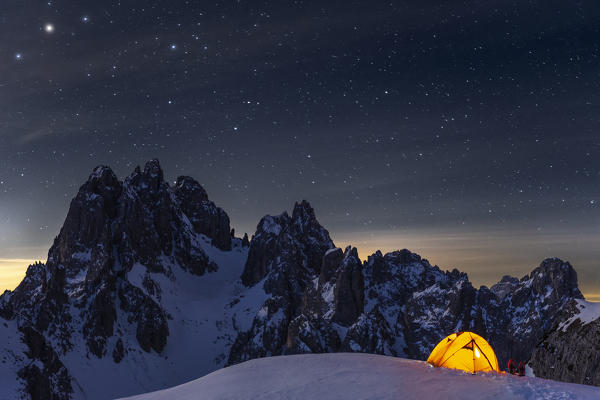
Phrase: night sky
(465, 131)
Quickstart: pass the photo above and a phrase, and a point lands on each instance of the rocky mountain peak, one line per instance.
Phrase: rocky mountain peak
(148, 183)
(504, 286)
(558, 276)
(294, 243)
(110, 291)
(305, 224)
(95, 204)
(153, 172)
(403, 256)
(153, 168)
(102, 177)
(204, 215)
(188, 187)
(104, 183)
(303, 214)
(110, 227)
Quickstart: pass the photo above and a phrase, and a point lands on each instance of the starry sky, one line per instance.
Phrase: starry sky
(465, 131)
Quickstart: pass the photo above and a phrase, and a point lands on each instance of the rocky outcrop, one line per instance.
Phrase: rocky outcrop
(129, 249)
(78, 295)
(506, 285)
(398, 304)
(348, 295)
(293, 245)
(513, 323)
(45, 376)
(111, 226)
(206, 218)
(570, 352)
(286, 252)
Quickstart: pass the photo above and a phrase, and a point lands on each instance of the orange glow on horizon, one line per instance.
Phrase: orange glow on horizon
(12, 272)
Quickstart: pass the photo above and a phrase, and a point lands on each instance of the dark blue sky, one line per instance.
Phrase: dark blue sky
(467, 131)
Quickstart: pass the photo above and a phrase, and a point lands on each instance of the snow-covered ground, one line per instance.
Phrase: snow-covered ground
(357, 376)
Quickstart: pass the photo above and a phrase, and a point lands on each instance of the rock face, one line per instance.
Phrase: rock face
(145, 278)
(206, 218)
(78, 294)
(48, 378)
(285, 255)
(570, 352)
(394, 304)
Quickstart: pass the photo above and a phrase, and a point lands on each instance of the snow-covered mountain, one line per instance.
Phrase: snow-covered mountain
(134, 292)
(570, 352)
(345, 376)
(145, 287)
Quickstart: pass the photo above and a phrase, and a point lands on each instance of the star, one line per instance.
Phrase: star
(85, 18)
(18, 56)
(49, 28)
(173, 46)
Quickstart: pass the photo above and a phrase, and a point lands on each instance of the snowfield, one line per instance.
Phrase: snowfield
(357, 376)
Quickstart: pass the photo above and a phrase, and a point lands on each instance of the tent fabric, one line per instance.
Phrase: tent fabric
(466, 351)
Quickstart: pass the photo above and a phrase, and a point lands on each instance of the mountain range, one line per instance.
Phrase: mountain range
(146, 287)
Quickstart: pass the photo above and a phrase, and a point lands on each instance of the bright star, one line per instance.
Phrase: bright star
(18, 56)
(85, 18)
(49, 28)
(173, 46)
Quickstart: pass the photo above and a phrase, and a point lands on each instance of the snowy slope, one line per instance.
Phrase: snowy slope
(11, 354)
(587, 312)
(359, 377)
(199, 325)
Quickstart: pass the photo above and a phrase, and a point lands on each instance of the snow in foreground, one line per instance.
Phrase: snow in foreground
(362, 376)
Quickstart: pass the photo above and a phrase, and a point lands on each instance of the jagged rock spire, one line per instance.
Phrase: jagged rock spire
(204, 215)
(300, 238)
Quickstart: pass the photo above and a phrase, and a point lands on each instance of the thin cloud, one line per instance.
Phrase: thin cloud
(33, 136)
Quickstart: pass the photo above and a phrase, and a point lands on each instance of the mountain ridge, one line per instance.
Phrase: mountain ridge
(144, 276)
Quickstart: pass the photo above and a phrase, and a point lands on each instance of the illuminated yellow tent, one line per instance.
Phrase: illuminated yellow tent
(465, 351)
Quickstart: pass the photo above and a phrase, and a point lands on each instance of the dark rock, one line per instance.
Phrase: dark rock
(272, 233)
(306, 335)
(52, 381)
(300, 239)
(152, 326)
(504, 287)
(371, 333)
(119, 351)
(99, 325)
(287, 253)
(332, 260)
(206, 218)
(570, 352)
(245, 241)
(349, 289)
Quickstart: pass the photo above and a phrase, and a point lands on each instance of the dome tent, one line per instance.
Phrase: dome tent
(466, 351)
